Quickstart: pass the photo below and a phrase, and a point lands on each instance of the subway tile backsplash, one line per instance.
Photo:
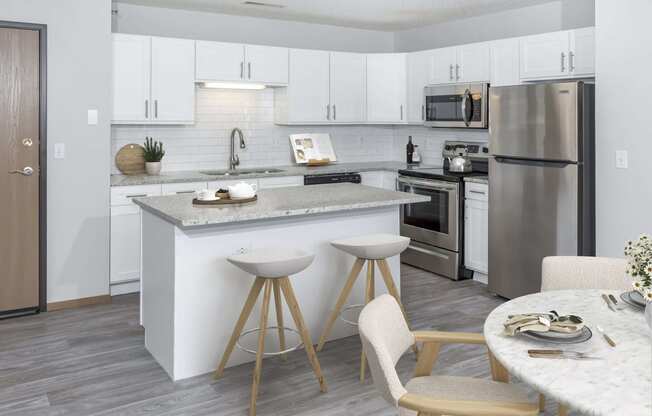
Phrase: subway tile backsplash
(205, 145)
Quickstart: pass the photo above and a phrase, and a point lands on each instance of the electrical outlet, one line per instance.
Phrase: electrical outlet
(59, 150)
(621, 159)
(92, 117)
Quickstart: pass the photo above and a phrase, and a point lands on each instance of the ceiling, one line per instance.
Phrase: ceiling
(387, 15)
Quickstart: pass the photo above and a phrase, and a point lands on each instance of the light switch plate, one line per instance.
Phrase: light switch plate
(92, 117)
(621, 159)
(59, 150)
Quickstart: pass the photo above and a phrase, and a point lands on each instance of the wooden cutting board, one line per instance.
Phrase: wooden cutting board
(130, 160)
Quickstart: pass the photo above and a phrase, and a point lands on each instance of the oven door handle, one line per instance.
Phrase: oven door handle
(428, 185)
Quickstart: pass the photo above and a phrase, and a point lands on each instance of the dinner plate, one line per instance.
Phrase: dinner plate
(632, 301)
(560, 338)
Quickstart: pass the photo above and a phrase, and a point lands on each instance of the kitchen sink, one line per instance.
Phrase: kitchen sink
(239, 172)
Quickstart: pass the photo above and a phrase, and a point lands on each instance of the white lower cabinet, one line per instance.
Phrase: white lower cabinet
(379, 179)
(182, 188)
(476, 230)
(125, 237)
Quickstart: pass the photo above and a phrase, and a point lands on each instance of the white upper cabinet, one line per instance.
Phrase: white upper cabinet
(582, 52)
(266, 64)
(473, 63)
(386, 88)
(173, 80)
(218, 61)
(153, 80)
(347, 87)
(504, 62)
(306, 100)
(418, 76)
(131, 78)
(443, 65)
(566, 54)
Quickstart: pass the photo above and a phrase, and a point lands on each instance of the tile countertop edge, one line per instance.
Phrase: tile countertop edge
(118, 180)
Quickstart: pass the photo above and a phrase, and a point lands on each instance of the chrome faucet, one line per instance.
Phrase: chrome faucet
(234, 161)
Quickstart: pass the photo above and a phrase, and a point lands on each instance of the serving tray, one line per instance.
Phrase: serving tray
(224, 201)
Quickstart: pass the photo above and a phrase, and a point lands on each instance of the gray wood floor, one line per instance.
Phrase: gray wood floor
(91, 361)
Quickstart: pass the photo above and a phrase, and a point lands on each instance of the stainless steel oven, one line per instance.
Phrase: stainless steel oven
(457, 105)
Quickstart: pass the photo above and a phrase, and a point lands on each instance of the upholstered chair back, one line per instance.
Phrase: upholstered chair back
(569, 272)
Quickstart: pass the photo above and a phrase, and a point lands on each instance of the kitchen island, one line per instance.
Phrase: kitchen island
(192, 297)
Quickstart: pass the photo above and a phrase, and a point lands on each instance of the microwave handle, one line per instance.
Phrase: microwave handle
(466, 99)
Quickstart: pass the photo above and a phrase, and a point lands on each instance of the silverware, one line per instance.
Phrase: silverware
(608, 302)
(605, 336)
(558, 354)
(617, 305)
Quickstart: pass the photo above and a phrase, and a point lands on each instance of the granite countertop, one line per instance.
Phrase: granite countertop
(276, 203)
(295, 170)
(477, 179)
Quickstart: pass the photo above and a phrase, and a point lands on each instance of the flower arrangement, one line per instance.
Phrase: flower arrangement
(639, 264)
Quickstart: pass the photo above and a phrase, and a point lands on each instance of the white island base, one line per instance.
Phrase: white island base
(192, 297)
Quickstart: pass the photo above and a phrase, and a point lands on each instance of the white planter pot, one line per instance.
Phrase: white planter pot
(153, 168)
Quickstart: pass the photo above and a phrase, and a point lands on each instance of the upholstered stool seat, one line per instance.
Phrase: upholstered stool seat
(273, 263)
(271, 267)
(373, 246)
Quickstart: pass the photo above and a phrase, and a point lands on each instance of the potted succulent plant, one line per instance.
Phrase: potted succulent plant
(153, 154)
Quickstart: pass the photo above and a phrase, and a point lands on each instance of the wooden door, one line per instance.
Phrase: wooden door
(219, 61)
(347, 87)
(267, 64)
(386, 87)
(173, 80)
(19, 152)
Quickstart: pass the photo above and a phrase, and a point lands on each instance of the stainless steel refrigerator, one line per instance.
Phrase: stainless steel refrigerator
(541, 180)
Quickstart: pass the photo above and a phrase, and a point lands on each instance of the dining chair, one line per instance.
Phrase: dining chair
(574, 272)
(386, 337)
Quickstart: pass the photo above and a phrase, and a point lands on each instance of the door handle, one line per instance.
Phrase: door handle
(571, 61)
(249, 69)
(146, 108)
(465, 99)
(423, 112)
(457, 72)
(155, 108)
(27, 171)
(401, 111)
(450, 72)
(563, 62)
(334, 112)
(328, 111)
(242, 69)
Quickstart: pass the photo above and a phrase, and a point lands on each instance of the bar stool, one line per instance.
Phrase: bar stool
(271, 268)
(373, 249)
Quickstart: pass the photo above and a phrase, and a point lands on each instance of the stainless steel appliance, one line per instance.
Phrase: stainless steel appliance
(437, 227)
(541, 180)
(319, 179)
(456, 105)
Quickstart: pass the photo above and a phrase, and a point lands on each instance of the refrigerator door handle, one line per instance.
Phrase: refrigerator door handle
(530, 162)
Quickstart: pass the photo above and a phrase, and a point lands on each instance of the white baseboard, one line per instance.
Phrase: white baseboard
(124, 288)
(480, 277)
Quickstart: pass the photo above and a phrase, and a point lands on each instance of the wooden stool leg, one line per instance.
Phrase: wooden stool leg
(242, 320)
(279, 316)
(563, 410)
(391, 288)
(303, 330)
(368, 297)
(344, 295)
(264, 312)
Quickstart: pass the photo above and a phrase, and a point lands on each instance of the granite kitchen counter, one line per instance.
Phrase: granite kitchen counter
(294, 170)
(276, 203)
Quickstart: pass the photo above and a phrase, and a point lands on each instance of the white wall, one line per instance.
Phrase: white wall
(228, 28)
(624, 196)
(79, 65)
(548, 17)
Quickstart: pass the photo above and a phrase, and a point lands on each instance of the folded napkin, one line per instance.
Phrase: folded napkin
(543, 322)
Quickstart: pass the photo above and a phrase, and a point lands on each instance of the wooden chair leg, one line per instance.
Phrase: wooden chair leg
(278, 303)
(391, 288)
(344, 295)
(264, 312)
(242, 320)
(498, 372)
(370, 292)
(542, 403)
(303, 330)
(427, 359)
(563, 410)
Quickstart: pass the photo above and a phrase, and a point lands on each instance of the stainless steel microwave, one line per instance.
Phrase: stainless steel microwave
(457, 105)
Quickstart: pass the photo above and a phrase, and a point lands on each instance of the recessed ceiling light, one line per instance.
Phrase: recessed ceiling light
(262, 4)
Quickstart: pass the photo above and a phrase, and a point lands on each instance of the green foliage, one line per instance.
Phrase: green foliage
(153, 150)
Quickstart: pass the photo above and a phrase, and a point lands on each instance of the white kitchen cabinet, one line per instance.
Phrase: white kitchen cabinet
(418, 76)
(173, 80)
(125, 237)
(442, 65)
(347, 87)
(386, 88)
(473, 62)
(280, 182)
(504, 62)
(476, 230)
(219, 61)
(153, 80)
(131, 78)
(389, 180)
(379, 179)
(566, 54)
(266, 64)
(306, 100)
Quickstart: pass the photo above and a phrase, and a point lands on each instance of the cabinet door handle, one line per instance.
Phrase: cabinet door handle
(563, 62)
(155, 108)
(334, 112)
(478, 192)
(242, 69)
(457, 72)
(450, 72)
(423, 112)
(136, 196)
(249, 69)
(185, 192)
(146, 108)
(401, 111)
(328, 111)
(571, 61)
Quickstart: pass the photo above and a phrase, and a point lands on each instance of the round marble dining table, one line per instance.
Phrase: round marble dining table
(619, 383)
